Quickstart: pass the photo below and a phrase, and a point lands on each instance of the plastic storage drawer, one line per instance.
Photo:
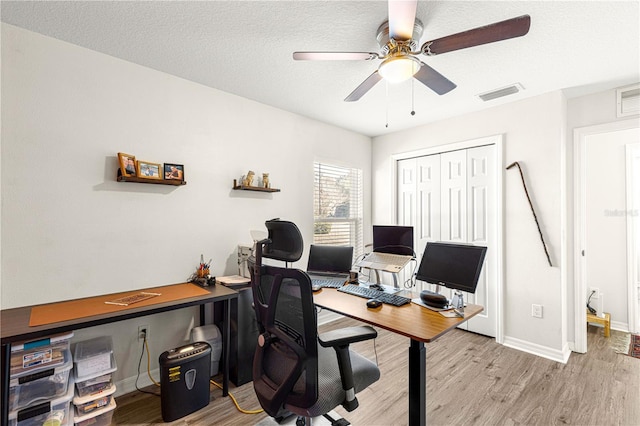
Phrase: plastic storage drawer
(53, 412)
(101, 417)
(35, 355)
(43, 384)
(91, 403)
(95, 383)
(93, 356)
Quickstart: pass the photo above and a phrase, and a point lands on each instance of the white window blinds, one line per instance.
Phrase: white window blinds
(337, 209)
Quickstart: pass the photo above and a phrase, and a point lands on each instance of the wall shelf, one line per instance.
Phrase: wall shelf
(172, 182)
(255, 188)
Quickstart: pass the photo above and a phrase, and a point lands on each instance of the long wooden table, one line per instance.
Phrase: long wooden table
(15, 326)
(419, 324)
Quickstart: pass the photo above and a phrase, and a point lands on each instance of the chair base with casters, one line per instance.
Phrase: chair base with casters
(295, 370)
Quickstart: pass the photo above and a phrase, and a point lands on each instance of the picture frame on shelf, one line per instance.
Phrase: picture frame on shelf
(128, 165)
(173, 171)
(148, 170)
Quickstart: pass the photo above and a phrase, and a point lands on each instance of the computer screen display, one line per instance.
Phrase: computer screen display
(393, 239)
(455, 266)
(330, 259)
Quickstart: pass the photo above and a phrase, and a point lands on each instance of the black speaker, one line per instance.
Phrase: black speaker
(184, 380)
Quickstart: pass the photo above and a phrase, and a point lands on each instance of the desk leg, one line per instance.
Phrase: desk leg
(417, 384)
(6, 373)
(226, 347)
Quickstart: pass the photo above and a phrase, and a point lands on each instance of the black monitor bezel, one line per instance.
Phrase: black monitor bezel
(399, 247)
(421, 274)
(322, 249)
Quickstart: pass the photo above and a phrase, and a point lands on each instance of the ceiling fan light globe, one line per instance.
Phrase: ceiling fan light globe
(399, 68)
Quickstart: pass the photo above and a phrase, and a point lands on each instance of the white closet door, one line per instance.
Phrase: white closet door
(406, 192)
(428, 199)
(480, 220)
(453, 174)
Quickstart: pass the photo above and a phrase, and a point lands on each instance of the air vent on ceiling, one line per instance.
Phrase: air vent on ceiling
(498, 93)
(628, 99)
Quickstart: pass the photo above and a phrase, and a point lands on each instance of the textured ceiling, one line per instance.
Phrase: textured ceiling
(245, 47)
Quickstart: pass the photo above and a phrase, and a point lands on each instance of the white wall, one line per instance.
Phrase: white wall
(534, 136)
(69, 230)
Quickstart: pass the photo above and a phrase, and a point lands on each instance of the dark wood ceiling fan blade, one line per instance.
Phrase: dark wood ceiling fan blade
(511, 28)
(335, 56)
(402, 16)
(364, 87)
(434, 80)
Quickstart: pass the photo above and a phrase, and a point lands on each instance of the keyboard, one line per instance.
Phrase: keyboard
(369, 293)
(328, 282)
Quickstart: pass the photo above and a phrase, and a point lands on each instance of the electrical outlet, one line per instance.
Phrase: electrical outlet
(595, 291)
(143, 332)
(536, 311)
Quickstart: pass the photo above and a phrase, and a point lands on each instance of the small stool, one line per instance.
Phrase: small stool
(606, 321)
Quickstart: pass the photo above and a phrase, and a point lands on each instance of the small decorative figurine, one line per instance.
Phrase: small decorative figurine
(248, 181)
(265, 180)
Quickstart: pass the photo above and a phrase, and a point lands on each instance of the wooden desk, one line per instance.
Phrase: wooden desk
(15, 328)
(419, 324)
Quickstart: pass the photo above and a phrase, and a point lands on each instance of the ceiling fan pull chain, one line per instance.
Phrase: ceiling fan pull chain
(386, 103)
(413, 106)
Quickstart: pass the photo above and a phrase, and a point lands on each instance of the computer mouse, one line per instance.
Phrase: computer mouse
(373, 303)
(316, 287)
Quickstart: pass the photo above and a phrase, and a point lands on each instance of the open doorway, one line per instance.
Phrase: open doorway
(602, 235)
(633, 234)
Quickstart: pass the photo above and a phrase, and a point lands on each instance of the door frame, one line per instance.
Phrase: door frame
(633, 225)
(498, 141)
(580, 136)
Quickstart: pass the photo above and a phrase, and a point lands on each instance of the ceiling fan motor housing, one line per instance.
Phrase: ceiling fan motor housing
(386, 46)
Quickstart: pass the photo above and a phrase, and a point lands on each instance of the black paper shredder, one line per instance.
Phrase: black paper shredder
(184, 380)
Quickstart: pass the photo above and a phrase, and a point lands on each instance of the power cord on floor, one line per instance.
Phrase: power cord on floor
(146, 346)
(236, 402)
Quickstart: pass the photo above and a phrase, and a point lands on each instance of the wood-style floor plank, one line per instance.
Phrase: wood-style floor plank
(471, 380)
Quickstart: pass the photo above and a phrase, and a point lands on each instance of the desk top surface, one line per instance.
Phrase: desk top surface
(15, 321)
(410, 320)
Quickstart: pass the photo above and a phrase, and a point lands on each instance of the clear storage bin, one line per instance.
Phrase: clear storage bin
(93, 356)
(95, 383)
(90, 403)
(101, 417)
(45, 383)
(39, 354)
(55, 412)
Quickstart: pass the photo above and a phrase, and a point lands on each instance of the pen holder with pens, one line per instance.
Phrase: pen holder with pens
(201, 276)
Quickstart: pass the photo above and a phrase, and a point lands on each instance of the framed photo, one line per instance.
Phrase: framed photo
(149, 170)
(173, 171)
(127, 164)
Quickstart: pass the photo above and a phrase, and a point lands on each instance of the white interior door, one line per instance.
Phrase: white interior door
(453, 195)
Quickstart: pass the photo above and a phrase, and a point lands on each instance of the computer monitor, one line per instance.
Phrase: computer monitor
(330, 259)
(455, 266)
(393, 239)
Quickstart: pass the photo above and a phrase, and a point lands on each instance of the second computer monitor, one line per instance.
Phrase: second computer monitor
(455, 266)
(393, 239)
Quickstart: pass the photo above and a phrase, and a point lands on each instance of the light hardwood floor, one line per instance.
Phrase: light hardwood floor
(471, 380)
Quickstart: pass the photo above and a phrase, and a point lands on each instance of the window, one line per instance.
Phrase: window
(337, 206)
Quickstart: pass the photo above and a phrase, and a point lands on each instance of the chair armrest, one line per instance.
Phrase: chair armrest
(346, 336)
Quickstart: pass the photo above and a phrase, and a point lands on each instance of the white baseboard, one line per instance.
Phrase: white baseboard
(539, 350)
(128, 385)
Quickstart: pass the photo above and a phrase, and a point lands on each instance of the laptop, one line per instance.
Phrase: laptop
(392, 248)
(329, 266)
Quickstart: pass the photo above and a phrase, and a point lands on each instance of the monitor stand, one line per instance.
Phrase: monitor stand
(458, 303)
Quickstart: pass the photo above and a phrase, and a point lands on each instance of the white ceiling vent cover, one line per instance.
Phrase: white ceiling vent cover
(628, 100)
(498, 93)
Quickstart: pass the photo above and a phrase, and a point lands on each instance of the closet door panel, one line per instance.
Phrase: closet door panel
(428, 206)
(454, 196)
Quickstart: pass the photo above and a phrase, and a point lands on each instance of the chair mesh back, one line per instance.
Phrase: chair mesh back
(285, 369)
(286, 241)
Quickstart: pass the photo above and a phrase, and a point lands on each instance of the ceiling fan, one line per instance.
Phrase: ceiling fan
(398, 38)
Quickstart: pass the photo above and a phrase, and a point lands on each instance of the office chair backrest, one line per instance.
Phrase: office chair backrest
(285, 366)
(286, 241)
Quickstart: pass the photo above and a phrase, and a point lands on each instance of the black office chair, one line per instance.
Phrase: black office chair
(295, 370)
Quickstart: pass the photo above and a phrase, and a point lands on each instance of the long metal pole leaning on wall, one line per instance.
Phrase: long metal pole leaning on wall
(524, 185)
